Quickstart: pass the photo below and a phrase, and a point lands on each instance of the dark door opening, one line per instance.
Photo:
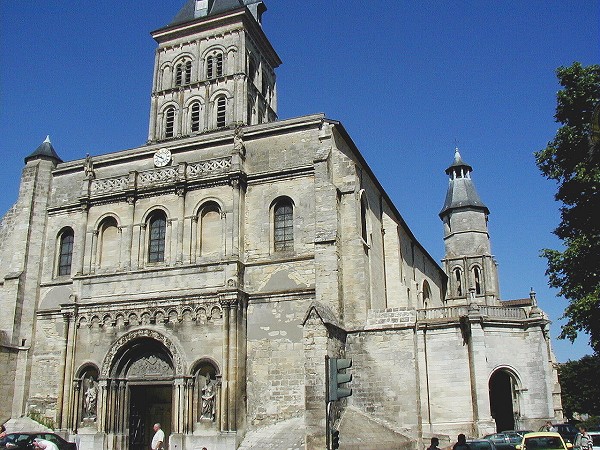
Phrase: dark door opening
(501, 401)
(149, 404)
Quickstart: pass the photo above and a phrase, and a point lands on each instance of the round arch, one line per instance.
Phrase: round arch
(125, 342)
(504, 395)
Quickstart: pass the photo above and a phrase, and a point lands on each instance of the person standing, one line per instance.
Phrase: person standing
(159, 438)
(434, 444)
(586, 440)
(461, 443)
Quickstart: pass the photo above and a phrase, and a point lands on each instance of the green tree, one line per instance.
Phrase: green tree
(580, 387)
(572, 159)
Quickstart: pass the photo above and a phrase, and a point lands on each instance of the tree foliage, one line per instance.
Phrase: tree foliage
(580, 387)
(572, 159)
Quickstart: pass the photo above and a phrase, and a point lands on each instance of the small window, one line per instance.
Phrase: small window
(170, 122)
(65, 256)
(178, 75)
(221, 111)
(458, 282)
(283, 235)
(156, 242)
(219, 65)
(195, 125)
(188, 72)
(477, 279)
(363, 218)
(209, 67)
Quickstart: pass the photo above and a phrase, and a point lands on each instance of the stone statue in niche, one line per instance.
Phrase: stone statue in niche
(90, 400)
(208, 399)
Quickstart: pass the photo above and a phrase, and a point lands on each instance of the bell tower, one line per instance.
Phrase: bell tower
(214, 69)
(468, 262)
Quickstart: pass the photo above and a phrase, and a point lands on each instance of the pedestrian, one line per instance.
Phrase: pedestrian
(586, 440)
(2, 431)
(461, 443)
(548, 427)
(434, 444)
(43, 444)
(159, 438)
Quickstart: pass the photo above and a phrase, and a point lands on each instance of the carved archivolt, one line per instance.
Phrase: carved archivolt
(125, 340)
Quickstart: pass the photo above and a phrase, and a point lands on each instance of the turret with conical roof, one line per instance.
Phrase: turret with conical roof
(44, 151)
(471, 268)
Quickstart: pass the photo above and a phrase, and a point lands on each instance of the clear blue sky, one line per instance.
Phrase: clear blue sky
(406, 78)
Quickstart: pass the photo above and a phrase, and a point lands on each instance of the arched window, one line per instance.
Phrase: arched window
(426, 294)
(458, 282)
(477, 279)
(157, 231)
(109, 245)
(283, 225)
(219, 64)
(65, 251)
(195, 117)
(188, 72)
(170, 122)
(178, 74)
(210, 230)
(221, 110)
(364, 207)
(214, 65)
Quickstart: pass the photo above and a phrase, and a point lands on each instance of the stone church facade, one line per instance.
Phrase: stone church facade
(201, 279)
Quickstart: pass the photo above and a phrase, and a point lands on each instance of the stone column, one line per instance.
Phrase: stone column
(102, 405)
(225, 390)
(180, 190)
(128, 235)
(179, 405)
(233, 366)
(76, 401)
(63, 394)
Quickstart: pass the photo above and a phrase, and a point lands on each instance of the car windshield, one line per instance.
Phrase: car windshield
(480, 445)
(544, 443)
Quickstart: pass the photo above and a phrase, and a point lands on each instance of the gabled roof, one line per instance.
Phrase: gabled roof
(190, 12)
(45, 150)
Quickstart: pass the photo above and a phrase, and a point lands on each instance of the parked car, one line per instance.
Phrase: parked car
(481, 444)
(566, 430)
(24, 441)
(544, 440)
(513, 437)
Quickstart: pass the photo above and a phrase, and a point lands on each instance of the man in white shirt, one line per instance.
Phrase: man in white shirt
(43, 444)
(159, 437)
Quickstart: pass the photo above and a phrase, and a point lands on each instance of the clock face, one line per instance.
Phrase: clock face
(162, 157)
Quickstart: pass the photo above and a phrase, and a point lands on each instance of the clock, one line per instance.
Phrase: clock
(162, 157)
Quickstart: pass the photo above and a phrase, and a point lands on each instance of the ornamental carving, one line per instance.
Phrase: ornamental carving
(125, 340)
(197, 170)
(174, 313)
(150, 366)
(109, 185)
(160, 176)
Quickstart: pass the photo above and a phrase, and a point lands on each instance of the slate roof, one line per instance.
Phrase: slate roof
(45, 150)
(461, 191)
(189, 12)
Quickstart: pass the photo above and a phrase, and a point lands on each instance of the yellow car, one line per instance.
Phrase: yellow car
(543, 440)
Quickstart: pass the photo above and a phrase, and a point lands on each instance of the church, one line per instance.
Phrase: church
(204, 279)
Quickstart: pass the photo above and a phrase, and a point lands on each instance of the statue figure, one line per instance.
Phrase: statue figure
(238, 142)
(208, 400)
(88, 167)
(90, 400)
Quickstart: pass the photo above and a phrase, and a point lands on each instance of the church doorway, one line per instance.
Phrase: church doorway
(149, 404)
(504, 404)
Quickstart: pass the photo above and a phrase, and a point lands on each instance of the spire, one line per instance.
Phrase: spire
(196, 9)
(44, 151)
(461, 190)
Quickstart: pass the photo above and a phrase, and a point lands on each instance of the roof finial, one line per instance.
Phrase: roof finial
(47, 140)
